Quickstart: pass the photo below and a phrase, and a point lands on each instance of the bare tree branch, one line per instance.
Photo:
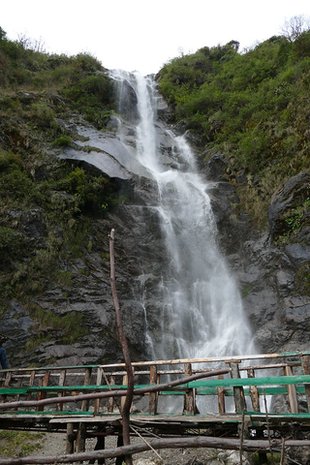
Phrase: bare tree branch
(171, 443)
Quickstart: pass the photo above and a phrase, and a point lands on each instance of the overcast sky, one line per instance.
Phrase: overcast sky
(144, 34)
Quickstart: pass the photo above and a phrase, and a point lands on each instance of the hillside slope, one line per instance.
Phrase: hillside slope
(248, 117)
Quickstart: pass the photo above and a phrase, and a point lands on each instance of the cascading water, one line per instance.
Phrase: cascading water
(202, 313)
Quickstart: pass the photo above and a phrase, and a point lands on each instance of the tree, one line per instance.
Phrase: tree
(295, 26)
(2, 34)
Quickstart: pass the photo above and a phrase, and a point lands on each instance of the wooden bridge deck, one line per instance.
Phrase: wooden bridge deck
(211, 396)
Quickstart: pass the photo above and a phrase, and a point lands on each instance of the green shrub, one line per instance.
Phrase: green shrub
(15, 185)
(43, 115)
(63, 141)
(9, 161)
(11, 245)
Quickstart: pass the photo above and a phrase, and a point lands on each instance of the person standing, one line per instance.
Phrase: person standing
(3, 357)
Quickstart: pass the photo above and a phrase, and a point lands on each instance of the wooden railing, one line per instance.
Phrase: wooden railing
(98, 389)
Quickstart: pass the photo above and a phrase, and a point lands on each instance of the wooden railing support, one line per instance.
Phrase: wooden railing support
(111, 399)
(153, 396)
(189, 407)
(70, 439)
(291, 390)
(305, 359)
(98, 383)
(221, 398)
(240, 404)
(254, 394)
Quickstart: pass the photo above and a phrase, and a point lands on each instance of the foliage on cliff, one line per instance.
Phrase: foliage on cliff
(252, 106)
(46, 204)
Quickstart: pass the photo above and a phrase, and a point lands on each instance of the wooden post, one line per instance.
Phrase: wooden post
(81, 438)
(87, 378)
(111, 399)
(125, 383)
(240, 404)
(98, 383)
(62, 379)
(189, 397)
(8, 378)
(153, 396)
(254, 394)
(291, 390)
(70, 439)
(221, 398)
(100, 444)
(120, 442)
(42, 394)
(305, 360)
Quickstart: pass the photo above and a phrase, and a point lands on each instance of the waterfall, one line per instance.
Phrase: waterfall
(201, 312)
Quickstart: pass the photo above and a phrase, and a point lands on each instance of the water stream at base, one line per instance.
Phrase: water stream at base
(202, 313)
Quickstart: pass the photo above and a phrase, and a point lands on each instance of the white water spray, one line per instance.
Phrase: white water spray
(202, 314)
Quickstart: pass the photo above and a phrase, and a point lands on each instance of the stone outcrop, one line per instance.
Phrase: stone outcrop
(273, 275)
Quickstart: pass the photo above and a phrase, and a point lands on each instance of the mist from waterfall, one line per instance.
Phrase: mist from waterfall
(202, 312)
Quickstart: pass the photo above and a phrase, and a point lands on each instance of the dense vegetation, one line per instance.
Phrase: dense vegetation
(46, 204)
(253, 107)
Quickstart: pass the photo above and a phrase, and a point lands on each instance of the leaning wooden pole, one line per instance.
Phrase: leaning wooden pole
(125, 410)
(249, 445)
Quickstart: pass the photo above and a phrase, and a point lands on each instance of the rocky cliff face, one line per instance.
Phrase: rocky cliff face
(272, 267)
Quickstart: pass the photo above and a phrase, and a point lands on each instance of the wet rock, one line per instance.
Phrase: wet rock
(105, 151)
(216, 168)
(296, 312)
(299, 253)
(284, 202)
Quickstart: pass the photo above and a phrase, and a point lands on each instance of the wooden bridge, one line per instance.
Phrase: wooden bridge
(250, 402)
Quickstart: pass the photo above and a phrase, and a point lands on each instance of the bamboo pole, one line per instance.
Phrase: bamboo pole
(249, 445)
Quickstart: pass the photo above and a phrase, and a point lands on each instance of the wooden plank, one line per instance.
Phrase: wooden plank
(293, 354)
(292, 395)
(90, 419)
(306, 368)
